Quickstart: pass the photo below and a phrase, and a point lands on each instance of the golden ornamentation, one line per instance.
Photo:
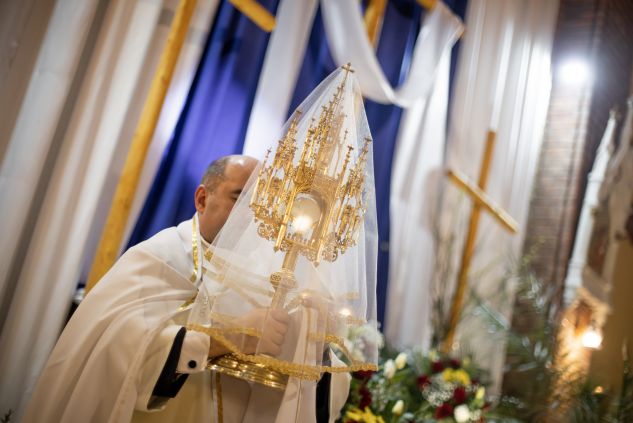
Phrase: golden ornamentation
(194, 248)
(301, 371)
(315, 178)
(308, 202)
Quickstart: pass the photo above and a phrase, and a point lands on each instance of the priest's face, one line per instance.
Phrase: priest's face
(215, 200)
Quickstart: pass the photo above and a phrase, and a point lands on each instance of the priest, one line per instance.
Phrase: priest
(125, 355)
(271, 285)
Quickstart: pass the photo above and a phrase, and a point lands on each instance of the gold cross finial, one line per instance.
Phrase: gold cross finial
(348, 67)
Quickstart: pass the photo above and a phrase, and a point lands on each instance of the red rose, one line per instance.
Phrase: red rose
(455, 364)
(443, 411)
(459, 395)
(437, 366)
(363, 374)
(422, 381)
(365, 398)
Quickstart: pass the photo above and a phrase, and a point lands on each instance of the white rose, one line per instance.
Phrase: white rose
(398, 408)
(401, 361)
(462, 413)
(390, 368)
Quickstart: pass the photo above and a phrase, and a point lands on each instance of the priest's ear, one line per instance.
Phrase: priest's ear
(200, 198)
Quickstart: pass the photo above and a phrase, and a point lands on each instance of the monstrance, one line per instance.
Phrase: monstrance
(308, 202)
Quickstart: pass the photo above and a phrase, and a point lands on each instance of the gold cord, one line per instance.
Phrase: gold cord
(218, 391)
(300, 371)
(194, 249)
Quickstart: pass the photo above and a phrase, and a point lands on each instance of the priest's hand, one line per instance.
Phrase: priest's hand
(273, 332)
(275, 325)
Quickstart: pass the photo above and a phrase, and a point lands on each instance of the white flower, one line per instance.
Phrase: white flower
(358, 355)
(398, 408)
(401, 361)
(462, 413)
(433, 355)
(390, 368)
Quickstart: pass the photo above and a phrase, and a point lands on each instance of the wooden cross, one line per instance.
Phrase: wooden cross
(256, 13)
(481, 200)
(375, 13)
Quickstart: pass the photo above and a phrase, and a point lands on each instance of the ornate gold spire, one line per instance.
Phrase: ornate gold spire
(317, 187)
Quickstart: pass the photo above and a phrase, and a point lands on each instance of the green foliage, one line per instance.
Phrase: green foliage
(530, 374)
(530, 349)
(622, 408)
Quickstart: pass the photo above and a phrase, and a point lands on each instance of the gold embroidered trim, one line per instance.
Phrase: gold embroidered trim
(351, 295)
(223, 264)
(187, 303)
(194, 248)
(300, 371)
(350, 320)
(221, 278)
(334, 340)
(244, 331)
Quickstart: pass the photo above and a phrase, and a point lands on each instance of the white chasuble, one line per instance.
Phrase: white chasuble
(110, 355)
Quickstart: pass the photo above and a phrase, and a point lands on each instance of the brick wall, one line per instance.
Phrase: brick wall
(601, 31)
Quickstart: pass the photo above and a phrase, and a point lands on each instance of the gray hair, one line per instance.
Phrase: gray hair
(215, 173)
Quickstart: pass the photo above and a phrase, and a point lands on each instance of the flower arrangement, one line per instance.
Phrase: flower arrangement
(417, 387)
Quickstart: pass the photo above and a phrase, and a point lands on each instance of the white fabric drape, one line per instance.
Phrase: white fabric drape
(503, 83)
(93, 150)
(31, 138)
(349, 43)
(282, 63)
(417, 166)
(23, 164)
(417, 171)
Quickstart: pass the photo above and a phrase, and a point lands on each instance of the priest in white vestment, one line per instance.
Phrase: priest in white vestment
(139, 345)
(125, 354)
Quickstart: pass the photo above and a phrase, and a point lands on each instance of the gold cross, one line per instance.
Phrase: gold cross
(481, 200)
(348, 67)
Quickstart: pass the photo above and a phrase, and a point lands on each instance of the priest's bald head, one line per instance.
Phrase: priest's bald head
(220, 187)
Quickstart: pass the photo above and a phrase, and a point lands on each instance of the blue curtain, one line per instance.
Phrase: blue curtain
(213, 121)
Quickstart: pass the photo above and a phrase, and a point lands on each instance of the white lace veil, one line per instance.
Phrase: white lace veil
(315, 193)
